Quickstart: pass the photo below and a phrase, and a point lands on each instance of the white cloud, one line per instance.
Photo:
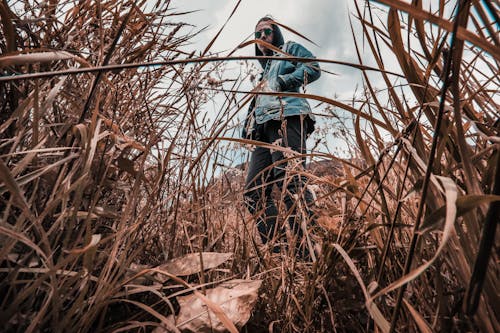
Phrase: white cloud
(323, 21)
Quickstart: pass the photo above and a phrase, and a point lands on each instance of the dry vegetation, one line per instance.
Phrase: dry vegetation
(108, 173)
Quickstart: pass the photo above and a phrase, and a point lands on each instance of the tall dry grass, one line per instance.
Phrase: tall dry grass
(109, 161)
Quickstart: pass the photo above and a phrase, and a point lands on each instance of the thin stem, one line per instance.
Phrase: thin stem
(428, 172)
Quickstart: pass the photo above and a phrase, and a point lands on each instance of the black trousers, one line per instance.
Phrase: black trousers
(268, 168)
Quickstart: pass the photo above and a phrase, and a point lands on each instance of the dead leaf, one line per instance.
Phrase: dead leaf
(236, 297)
(190, 263)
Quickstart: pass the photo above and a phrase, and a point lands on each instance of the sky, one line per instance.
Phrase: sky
(326, 22)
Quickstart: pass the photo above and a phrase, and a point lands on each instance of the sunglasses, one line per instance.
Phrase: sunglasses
(266, 31)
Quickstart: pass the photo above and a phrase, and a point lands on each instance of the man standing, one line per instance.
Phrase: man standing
(286, 120)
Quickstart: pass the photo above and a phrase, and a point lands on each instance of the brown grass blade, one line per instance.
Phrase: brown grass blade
(23, 239)
(119, 67)
(421, 322)
(464, 205)
(164, 320)
(374, 311)
(12, 186)
(8, 27)
(451, 211)
(210, 44)
(32, 58)
(293, 31)
(462, 33)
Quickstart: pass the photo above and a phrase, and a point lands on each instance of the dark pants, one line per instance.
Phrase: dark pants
(268, 168)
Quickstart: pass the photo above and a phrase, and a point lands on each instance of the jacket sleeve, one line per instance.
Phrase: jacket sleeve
(305, 72)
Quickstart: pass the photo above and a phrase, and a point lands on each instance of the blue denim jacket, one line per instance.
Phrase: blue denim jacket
(286, 76)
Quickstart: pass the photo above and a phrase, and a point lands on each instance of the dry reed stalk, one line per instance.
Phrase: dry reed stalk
(109, 162)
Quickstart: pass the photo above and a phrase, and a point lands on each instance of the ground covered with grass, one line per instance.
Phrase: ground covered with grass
(121, 205)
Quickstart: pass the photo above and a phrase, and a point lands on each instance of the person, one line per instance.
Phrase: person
(286, 120)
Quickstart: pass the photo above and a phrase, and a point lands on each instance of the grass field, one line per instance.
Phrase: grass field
(121, 210)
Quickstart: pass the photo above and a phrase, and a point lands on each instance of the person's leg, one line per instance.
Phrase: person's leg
(258, 188)
(292, 133)
(295, 138)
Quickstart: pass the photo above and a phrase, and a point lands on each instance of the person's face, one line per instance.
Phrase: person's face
(264, 32)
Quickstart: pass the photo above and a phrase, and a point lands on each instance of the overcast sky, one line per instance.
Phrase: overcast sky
(326, 22)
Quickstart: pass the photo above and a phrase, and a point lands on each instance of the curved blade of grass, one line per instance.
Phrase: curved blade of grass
(8, 27)
(154, 313)
(23, 180)
(287, 150)
(20, 237)
(365, 151)
(25, 162)
(420, 162)
(103, 68)
(374, 311)
(38, 151)
(422, 324)
(220, 30)
(264, 44)
(293, 31)
(11, 185)
(464, 205)
(451, 193)
(330, 101)
(41, 313)
(35, 270)
(462, 33)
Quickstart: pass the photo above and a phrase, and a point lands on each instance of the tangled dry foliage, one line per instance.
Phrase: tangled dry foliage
(109, 173)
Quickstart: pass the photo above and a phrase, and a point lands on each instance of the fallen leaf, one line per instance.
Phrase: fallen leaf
(236, 298)
(190, 263)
